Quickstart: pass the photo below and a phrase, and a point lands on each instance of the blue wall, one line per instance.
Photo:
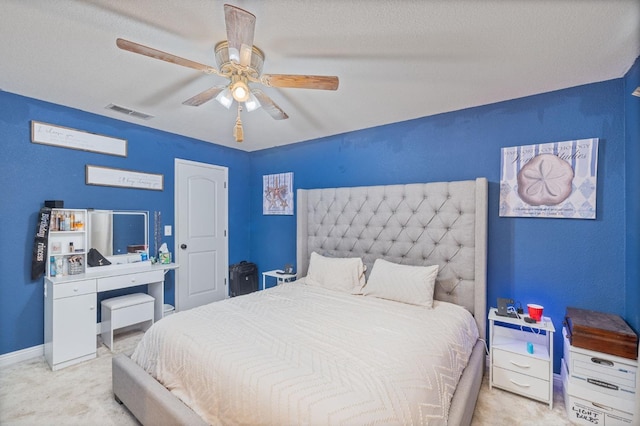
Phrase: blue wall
(553, 262)
(31, 173)
(590, 264)
(632, 180)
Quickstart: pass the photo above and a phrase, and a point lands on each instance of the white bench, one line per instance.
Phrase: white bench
(123, 311)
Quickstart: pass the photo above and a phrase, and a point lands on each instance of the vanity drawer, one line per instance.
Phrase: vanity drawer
(74, 288)
(520, 383)
(130, 280)
(524, 364)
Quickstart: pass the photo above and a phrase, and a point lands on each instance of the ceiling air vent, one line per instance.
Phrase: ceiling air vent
(128, 111)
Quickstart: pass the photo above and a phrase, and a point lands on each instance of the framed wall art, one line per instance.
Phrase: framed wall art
(107, 176)
(277, 194)
(550, 180)
(65, 137)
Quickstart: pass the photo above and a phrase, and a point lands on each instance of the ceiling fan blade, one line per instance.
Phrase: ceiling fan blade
(320, 82)
(267, 103)
(163, 56)
(240, 29)
(205, 96)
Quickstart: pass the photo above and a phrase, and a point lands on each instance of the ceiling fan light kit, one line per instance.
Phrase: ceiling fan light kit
(252, 103)
(225, 98)
(241, 62)
(239, 88)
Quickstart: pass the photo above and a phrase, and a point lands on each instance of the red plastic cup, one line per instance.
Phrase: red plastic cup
(535, 311)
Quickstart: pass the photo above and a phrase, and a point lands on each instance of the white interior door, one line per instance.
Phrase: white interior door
(201, 233)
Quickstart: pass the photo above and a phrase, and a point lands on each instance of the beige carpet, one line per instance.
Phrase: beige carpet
(32, 394)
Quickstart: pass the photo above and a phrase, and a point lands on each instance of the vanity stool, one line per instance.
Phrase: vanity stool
(123, 311)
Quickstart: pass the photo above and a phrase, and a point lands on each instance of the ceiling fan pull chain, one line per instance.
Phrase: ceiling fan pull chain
(238, 132)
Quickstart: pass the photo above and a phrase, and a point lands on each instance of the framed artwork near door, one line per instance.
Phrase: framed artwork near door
(277, 195)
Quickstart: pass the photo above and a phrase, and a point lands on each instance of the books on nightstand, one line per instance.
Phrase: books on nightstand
(599, 388)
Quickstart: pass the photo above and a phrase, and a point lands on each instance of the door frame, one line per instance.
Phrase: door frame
(176, 239)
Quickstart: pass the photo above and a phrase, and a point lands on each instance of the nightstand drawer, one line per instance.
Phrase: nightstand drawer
(524, 364)
(521, 383)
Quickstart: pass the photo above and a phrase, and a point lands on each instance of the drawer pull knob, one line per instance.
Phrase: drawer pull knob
(75, 289)
(520, 365)
(522, 385)
(602, 362)
(91, 308)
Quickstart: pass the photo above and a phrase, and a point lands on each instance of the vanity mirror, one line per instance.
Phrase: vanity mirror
(119, 235)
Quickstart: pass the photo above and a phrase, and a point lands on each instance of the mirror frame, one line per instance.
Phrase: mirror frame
(125, 258)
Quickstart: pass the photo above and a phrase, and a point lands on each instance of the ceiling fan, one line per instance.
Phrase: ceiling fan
(241, 62)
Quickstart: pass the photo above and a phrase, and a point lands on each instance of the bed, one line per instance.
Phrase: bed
(304, 353)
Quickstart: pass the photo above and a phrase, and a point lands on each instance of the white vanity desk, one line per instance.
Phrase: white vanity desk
(70, 307)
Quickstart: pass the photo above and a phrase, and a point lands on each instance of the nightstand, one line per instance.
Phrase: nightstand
(512, 367)
(280, 277)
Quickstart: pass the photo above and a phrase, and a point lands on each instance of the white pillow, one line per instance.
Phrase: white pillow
(402, 283)
(342, 274)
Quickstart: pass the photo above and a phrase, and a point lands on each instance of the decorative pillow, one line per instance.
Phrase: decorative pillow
(403, 283)
(342, 274)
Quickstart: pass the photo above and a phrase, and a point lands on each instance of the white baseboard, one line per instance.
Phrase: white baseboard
(21, 355)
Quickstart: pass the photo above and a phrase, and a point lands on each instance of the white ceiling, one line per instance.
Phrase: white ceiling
(396, 59)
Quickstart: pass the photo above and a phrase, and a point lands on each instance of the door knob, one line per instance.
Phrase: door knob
(183, 246)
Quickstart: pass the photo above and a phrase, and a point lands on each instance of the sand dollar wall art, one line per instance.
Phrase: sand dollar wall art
(550, 180)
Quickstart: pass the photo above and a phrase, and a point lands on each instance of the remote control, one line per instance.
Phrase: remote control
(529, 320)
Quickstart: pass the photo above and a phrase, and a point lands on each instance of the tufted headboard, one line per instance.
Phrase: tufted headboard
(443, 223)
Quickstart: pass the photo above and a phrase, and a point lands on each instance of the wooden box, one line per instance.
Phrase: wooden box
(601, 332)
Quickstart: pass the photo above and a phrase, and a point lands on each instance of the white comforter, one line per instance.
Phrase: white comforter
(297, 354)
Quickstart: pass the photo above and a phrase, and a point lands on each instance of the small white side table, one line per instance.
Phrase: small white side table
(279, 275)
(513, 367)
